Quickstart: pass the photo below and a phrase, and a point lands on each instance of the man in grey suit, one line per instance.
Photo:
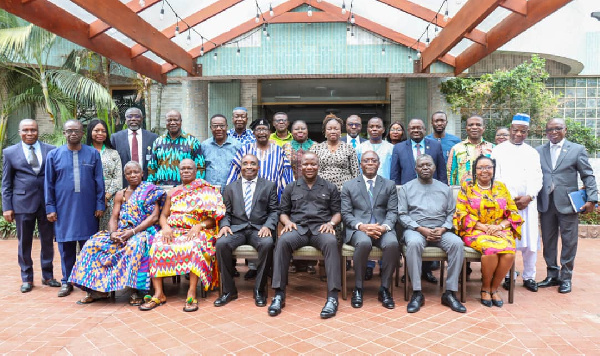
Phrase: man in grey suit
(426, 207)
(251, 218)
(561, 161)
(134, 143)
(370, 212)
(23, 201)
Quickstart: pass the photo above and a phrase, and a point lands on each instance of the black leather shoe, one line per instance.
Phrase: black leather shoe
(251, 274)
(417, 300)
(449, 300)
(26, 287)
(65, 290)
(530, 285)
(330, 308)
(51, 282)
(369, 274)
(435, 265)
(260, 299)
(348, 265)
(506, 283)
(403, 279)
(236, 273)
(549, 282)
(429, 277)
(385, 297)
(357, 298)
(277, 304)
(225, 298)
(565, 287)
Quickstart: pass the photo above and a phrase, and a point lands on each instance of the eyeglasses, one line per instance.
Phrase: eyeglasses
(131, 116)
(261, 130)
(218, 126)
(70, 132)
(485, 168)
(354, 125)
(280, 120)
(555, 129)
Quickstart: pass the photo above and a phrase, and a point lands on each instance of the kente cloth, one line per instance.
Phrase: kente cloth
(74, 190)
(519, 168)
(106, 266)
(487, 207)
(190, 204)
(461, 157)
(167, 153)
(274, 165)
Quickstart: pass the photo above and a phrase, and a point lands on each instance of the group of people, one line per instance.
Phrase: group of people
(143, 207)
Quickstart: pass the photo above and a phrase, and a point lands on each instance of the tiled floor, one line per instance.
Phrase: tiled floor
(542, 323)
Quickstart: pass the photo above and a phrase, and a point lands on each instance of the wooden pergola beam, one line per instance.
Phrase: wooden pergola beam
(429, 15)
(513, 25)
(97, 27)
(193, 20)
(56, 20)
(119, 16)
(469, 16)
(518, 6)
(382, 30)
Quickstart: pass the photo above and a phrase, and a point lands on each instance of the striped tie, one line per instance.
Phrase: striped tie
(370, 182)
(248, 198)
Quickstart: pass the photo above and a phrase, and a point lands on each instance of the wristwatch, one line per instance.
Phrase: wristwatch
(532, 197)
(332, 223)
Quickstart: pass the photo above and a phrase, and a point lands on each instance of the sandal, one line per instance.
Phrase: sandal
(497, 302)
(91, 297)
(486, 302)
(135, 299)
(151, 303)
(191, 305)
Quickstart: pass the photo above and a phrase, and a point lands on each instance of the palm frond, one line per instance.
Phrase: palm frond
(84, 90)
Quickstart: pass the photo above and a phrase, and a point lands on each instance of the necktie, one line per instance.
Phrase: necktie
(353, 143)
(134, 147)
(33, 160)
(248, 198)
(370, 182)
(419, 150)
(554, 152)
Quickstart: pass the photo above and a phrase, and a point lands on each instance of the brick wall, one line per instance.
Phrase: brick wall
(249, 96)
(396, 87)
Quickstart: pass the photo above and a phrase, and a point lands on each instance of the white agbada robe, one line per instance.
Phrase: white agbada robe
(519, 168)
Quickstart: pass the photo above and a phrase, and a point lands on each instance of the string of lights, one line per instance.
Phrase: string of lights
(425, 33)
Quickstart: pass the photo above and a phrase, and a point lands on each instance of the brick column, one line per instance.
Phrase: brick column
(397, 99)
(248, 96)
(194, 107)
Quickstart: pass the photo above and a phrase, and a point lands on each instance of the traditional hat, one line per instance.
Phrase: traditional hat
(521, 119)
(261, 122)
(240, 108)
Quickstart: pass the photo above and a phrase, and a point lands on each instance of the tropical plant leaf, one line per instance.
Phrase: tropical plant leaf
(84, 90)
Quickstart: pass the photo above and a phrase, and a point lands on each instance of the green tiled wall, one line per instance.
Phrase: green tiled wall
(222, 98)
(319, 48)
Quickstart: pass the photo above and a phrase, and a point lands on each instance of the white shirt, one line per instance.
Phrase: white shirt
(139, 140)
(374, 179)
(36, 147)
(252, 186)
(349, 140)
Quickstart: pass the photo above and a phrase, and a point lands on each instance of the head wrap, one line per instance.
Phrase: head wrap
(521, 119)
(240, 108)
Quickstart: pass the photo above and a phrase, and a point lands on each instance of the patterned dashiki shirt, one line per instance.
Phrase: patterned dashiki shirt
(167, 153)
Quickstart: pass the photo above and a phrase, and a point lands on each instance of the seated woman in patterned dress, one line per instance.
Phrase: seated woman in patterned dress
(488, 221)
(186, 242)
(119, 258)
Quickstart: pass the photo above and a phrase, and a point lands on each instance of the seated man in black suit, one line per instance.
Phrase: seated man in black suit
(251, 218)
(310, 210)
(370, 211)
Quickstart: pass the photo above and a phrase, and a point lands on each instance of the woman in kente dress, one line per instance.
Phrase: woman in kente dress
(488, 221)
(186, 242)
(119, 258)
(99, 138)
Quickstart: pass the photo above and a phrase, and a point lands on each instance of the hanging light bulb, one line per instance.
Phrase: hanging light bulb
(201, 50)
(215, 56)
(343, 8)
(142, 3)
(188, 40)
(410, 59)
(271, 12)
(264, 29)
(352, 19)
(257, 18)
(268, 36)
(309, 11)
(162, 13)
(177, 30)
(418, 54)
(383, 51)
(238, 52)
(435, 34)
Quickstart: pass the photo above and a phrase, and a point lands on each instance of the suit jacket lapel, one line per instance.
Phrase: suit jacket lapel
(563, 152)
(411, 155)
(377, 188)
(363, 189)
(257, 190)
(547, 157)
(23, 158)
(239, 191)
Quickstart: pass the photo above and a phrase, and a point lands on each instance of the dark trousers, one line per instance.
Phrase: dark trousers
(25, 224)
(249, 236)
(552, 221)
(362, 247)
(68, 254)
(293, 240)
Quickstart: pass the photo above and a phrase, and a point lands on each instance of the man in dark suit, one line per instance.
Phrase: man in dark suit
(353, 129)
(403, 166)
(310, 211)
(23, 201)
(561, 161)
(405, 153)
(134, 143)
(370, 211)
(251, 218)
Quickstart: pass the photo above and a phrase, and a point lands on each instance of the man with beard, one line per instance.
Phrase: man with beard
(353, 129)
(463, 154)
(439, 121)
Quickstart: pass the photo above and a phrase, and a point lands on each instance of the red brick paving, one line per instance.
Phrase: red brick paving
(537, 323)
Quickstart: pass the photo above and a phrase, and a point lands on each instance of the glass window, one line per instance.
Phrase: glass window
(560, 91)
(590, 114)
(559, 82)
(580, 103)
(580, 92)
(580, 114)
(570, 82)
(581, 82)
(591, 92)
(570, 113)
(592, 82)
(591, 103)
(570, 93)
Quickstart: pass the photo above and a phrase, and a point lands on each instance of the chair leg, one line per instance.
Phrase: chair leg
(442, 274)
(344, 279)
(463, 282)
(202, 291)
(406, 281)
(511, 288)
